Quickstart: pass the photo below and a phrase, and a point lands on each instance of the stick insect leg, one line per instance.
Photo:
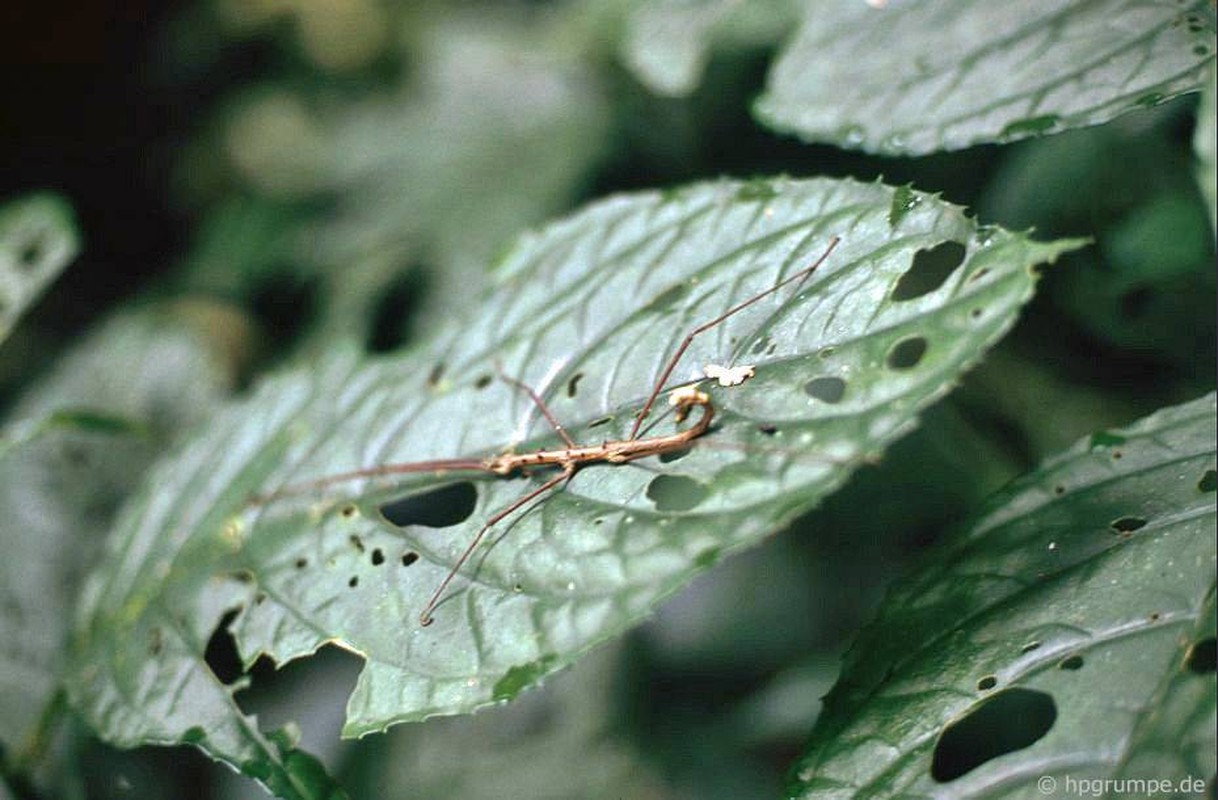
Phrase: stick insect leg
(541, 406)
(666, 373)
(425, 616)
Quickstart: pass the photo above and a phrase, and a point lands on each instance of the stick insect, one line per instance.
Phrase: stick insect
(572, 456)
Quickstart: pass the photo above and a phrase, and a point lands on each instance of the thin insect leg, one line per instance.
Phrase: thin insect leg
(425, 617)
(541, 406)
(436, 465)
(800, 276)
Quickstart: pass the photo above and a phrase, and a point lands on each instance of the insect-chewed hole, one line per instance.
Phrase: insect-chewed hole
(377, 557)
(767, 428)
(436, 508)
(1208, 482)
(409, 557)
(827, 389)
(353, 581)
(987, 683)
(906, 353)
(286, 305)
(1029, 647)
(1071, 663)
(1128, 524)
(1202, 656)
(1002, 723)
(356, 542)
(930, 270)
(301, 563)
(484, 380)
(394, 310)
(573, 384)
(221, 653)
(676, 492)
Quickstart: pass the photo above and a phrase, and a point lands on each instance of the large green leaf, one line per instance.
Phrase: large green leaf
(72, 449)
(914, 78)
(1074, 617)
(587, 311)
(37, 240)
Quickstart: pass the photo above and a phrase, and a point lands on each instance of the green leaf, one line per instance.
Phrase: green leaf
(668, 43)
(915, 78)
(1080, 600)
(74, 447)
(37, 240)
(587, 311)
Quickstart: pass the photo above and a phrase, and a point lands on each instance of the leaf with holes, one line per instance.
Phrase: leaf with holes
(914, 78)
(587, 311)
(37, 240)
(1067, 632)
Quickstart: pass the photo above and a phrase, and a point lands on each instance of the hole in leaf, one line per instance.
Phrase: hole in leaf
(356, 542)
(573, 384)
(221, 653)
(1071, 663)
(987, 683)
(676, 492)
(393, 311)
(976, 313)
(285, 304)
(1209, 481)
(1029, 647)
(999, 724)
(436, 508)
(409, 557)
(1202, 656)
(301, 563)
(906, 353)
(1128, 524)
(482, 381)
(348, 511)
(768, 429)
(353, 581)
(1059, 490)
(827, 389)
(377, 558)
(930, 270)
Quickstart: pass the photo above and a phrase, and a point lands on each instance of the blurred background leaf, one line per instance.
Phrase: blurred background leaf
(948, 74)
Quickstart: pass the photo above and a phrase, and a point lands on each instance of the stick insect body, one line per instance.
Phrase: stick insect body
(572, 456)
